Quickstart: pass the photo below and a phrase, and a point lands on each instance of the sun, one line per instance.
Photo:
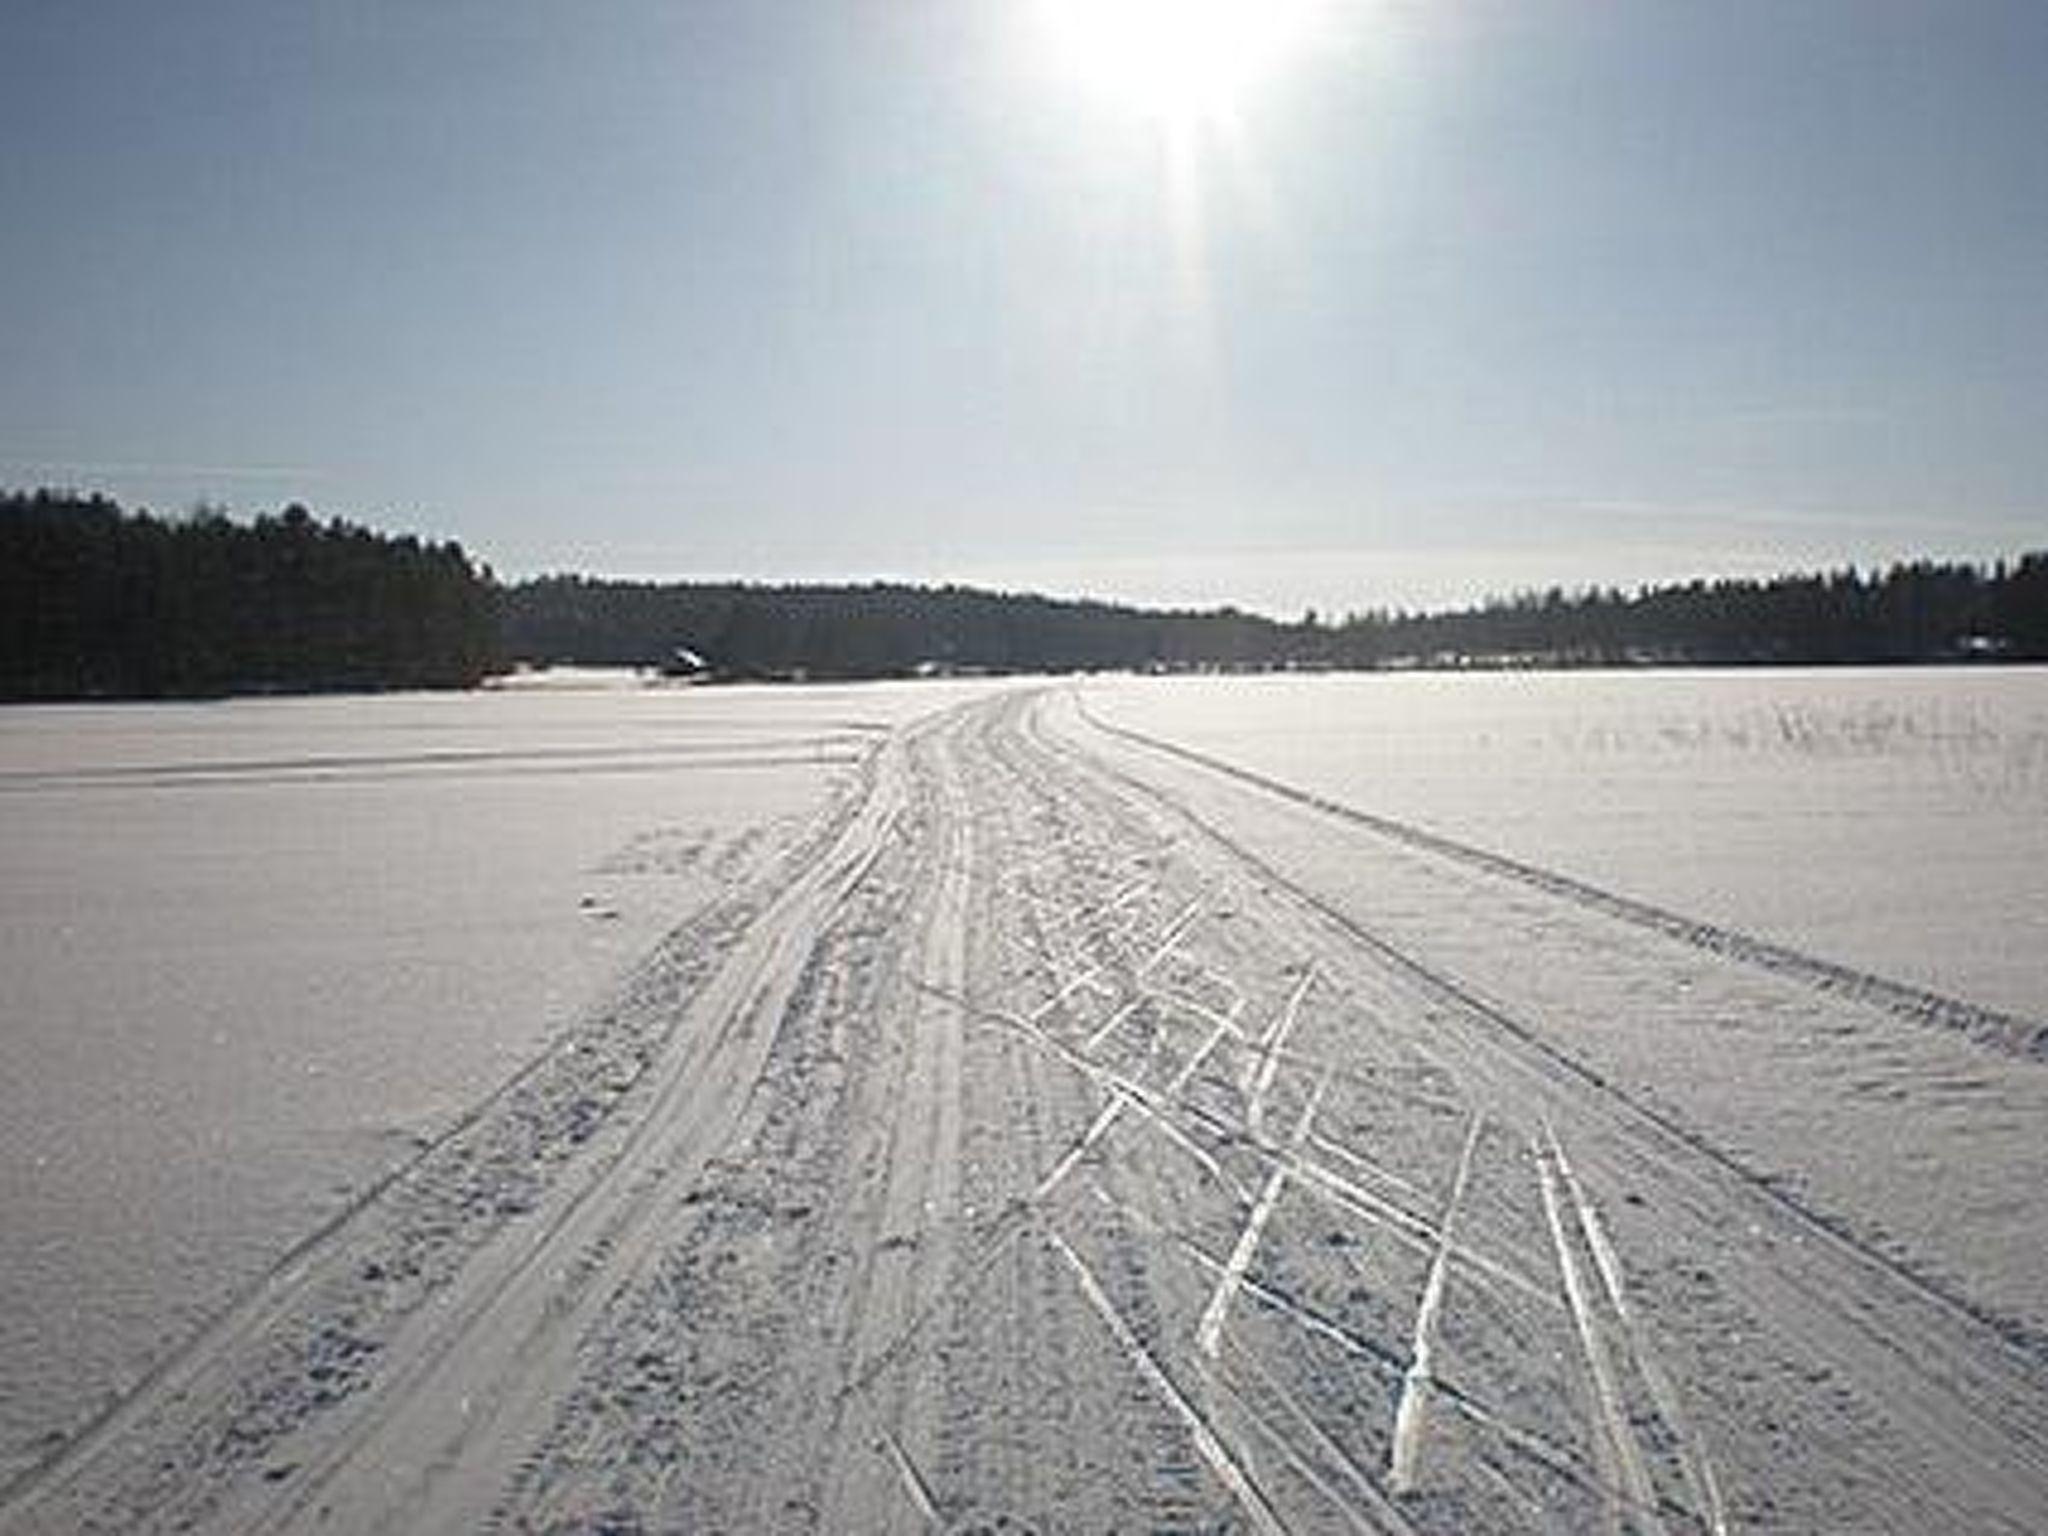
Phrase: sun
(1181, 61)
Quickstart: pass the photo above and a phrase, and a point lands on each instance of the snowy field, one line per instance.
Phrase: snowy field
(1397, 1103)
(255, 951)
(1893, 819)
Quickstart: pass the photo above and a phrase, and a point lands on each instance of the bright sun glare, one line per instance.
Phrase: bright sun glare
(1178, 60)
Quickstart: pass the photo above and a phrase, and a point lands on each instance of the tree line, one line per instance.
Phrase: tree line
(873, 630)
(99, 603)
(1918, 612)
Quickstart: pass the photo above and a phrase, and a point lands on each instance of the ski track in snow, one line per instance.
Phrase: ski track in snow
(929, 1181)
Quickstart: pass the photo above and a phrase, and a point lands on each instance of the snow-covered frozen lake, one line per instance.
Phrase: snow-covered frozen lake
(725, 1038)
(1893, 820)
(254, 950)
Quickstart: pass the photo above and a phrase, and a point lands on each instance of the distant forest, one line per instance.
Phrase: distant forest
(1919, 612)
(99, 603)
(866, 631)
(1923, 612)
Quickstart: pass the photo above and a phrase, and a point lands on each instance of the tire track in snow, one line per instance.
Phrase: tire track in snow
(236, 1383)
(1944, 1378)
(1259, 1072)
(1445, 988)
(1414, 1405)
(1229, 1472)
(1697, 1466)
(498, 1347)
(919, 1178)
(1209, 1334)
(1017, 1409)
(1996, 1027)
(1366, 1509)
(1620, 1454)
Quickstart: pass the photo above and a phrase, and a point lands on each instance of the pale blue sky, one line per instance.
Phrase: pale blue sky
(1475, 293)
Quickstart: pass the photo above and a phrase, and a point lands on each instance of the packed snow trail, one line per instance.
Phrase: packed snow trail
(1041, 1147)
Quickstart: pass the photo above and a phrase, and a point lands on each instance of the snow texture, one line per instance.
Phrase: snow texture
(1021, 1107)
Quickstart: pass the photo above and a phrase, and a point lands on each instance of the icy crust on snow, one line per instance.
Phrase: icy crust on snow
(1894, 821)
(258, 951)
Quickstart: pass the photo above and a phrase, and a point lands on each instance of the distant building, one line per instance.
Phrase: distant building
(684, 662)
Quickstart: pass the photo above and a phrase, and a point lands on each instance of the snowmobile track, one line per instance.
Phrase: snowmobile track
(1992, 1026)
(1034, 1152)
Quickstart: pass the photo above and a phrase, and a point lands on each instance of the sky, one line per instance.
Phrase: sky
(1281, 303)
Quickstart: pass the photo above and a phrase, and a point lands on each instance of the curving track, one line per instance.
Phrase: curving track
(1049, 1144)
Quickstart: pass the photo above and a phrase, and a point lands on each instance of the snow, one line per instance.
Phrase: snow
(255, 949)
(1895, 821)
(1006, 1118)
